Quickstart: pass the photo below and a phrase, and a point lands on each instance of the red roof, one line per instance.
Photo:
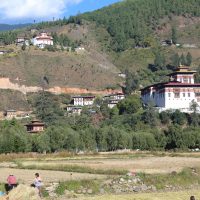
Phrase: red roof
(172, 84)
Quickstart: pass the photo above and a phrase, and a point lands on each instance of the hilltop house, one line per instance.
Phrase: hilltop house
(83, 100)
(113, 99)
(35, 126)
(10, 114)
(178, 93)
(42, 40)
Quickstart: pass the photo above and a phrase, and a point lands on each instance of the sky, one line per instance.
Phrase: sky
(26, 11)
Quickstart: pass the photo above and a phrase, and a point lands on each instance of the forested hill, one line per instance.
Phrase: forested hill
(8, 27)
(132, 22)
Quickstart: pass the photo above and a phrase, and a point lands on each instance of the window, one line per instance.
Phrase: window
(176, 95)
(183, 94)
(169, 94)
(185, 80)
(188, 94)
(197, 94)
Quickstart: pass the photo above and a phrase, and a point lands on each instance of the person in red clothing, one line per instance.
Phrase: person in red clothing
(11, 183)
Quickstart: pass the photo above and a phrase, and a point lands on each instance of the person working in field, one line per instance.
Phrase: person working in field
(37, 183)
(11, 183)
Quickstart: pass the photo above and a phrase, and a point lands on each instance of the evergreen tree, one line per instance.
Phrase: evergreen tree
(174, 35)
(175, 60)
(159, 61)
(182, 60)
(188, 59)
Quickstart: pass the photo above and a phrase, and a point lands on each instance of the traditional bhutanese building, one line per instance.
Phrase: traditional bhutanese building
(42, 40)
(113, 99)
(83, 100)
(178, 93)
(35, 126)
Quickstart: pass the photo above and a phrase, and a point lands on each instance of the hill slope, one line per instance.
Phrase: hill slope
(8, 27)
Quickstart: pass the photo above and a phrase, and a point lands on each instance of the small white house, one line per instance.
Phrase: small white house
(114, 99)
(83, 100)
(74, 110)
(42, 40)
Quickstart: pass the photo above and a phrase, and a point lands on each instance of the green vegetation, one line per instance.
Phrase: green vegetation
(182, 179)
(73, 185)
(130, 22)
(127, 126)
(73, 168)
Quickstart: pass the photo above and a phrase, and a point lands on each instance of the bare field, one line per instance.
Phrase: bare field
(27, 176)
(152, 164)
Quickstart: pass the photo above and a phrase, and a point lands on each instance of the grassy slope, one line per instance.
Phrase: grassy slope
(91, 69)
(13, 100)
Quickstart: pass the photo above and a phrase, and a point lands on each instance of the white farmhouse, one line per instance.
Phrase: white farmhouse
(83, 100)
(114, 99)
(178, 93)
(42, 40)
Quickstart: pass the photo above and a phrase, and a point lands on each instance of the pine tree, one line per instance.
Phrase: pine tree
(188, 59)
(174, 35)
(183, 60)
(175, 60)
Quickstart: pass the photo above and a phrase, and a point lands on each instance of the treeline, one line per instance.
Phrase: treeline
(64, 41)
(127, 126)
(8, 37)
(131, 22)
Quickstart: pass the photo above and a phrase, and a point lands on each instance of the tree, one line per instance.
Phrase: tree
(194, 117)
(175, 60)
(182, 60)
(129, 105)
(131, 83)
(174, 35)
(178, 117)
(188, 59)
(47, 107)
(24, 47)
(150, 115)
(159, 61)
(143, 141)
(164, 117)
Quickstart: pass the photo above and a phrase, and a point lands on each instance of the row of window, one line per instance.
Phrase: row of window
(177, 95)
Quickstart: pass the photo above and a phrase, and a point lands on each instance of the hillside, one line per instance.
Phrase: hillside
(131, 33)
(123, 36)
(90, 69)
(8, 27)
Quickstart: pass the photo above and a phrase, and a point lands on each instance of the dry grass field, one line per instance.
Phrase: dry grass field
(27, 176)
(148, 164)
(183, 195)
(159, 165)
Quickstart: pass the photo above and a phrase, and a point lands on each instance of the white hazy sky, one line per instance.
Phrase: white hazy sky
(18, 11)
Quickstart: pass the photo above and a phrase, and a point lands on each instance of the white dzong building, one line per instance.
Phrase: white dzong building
(42, 40)
(179, 93)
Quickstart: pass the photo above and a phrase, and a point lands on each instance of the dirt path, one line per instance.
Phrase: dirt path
(27, 176)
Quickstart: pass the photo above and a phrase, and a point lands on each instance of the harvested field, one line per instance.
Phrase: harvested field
(27, 176)
(181, 195)
(150, 164)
